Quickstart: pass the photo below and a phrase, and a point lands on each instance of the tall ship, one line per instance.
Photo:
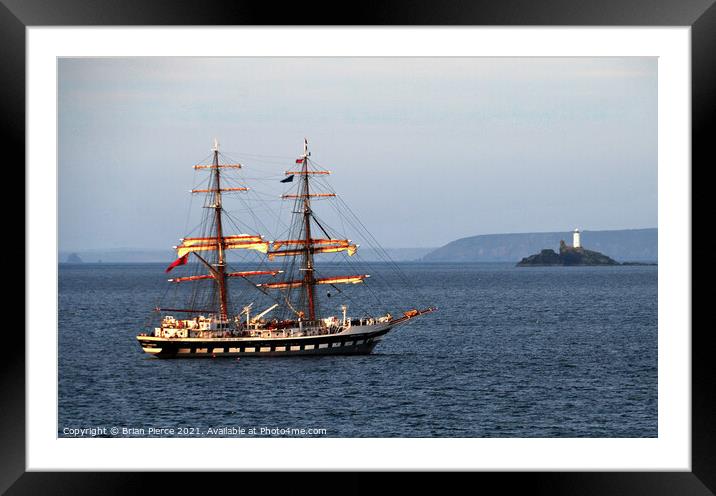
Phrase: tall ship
(304, 311)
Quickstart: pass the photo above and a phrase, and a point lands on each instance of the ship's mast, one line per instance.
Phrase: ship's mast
(303, 244)
(221, 264)
(215, 241)
(308, 276)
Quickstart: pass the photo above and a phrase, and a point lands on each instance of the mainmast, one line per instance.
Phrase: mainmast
(308, 276)
(303, 244)
(221, 263)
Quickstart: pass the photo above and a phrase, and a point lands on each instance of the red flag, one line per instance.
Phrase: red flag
(179, 261)
(299, 160)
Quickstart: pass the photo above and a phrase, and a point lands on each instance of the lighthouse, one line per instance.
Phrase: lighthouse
(576, 242)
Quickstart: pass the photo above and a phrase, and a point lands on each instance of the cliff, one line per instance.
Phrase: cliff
(635, 245)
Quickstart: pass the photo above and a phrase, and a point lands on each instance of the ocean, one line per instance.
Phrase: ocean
(511, 352)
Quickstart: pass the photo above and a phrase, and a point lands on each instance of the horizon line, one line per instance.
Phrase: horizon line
(130, 248)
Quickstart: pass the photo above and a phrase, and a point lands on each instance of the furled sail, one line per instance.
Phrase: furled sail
(247, 273)
(310, 195)
(237, 242)
(217, 166)
(308, 172)
(220, 190)
(324, 280)
(348, 248)
(314, 242)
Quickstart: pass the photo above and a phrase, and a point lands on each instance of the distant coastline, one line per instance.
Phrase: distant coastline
(625, 245)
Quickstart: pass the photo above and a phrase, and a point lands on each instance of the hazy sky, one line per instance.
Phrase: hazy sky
(424, 150)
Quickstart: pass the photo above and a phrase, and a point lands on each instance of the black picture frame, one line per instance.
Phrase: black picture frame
(700, 15)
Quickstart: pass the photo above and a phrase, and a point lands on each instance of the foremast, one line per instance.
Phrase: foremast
(216, 242)
(221, 262)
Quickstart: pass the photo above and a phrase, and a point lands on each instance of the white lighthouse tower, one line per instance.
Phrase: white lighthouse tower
(576, 242)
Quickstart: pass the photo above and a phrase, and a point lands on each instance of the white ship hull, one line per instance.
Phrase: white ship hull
(356, 340)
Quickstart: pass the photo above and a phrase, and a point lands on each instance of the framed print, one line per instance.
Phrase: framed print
(528, 169)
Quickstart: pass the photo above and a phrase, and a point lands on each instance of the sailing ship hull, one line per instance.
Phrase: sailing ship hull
(343, 343)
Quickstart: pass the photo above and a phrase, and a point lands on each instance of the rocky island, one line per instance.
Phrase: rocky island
(568, 255)
(74, 258)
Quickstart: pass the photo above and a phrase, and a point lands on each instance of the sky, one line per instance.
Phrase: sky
(423, 150)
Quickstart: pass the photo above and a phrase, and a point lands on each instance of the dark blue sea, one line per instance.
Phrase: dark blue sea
(511, 352)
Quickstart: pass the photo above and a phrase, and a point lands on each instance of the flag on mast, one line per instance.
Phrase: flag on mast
(179, 261)
(306, 153)
(289, 179)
